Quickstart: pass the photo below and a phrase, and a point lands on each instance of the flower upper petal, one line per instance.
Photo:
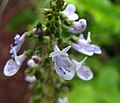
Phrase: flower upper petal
(81, 36)
(16, 38)
(82, 49)
(70, 12)
(79, 64)
(78, 26)
(65, 50)
(70, 8)
(88, 37)
(19, 40)
(55, 52)
(58, 52)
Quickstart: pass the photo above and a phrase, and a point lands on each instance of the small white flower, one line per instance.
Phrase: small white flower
(18, 42)
(30, 78)
(11, 68)
(84, 46)
(78, 26)
(64, 100)
(30, 63)
(62, 64)
(70, 12)
(83, 72)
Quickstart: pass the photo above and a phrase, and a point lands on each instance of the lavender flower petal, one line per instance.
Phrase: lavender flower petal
(85, 73)
(64, 67)
(78, 26)
(70, 12)
(11, 68)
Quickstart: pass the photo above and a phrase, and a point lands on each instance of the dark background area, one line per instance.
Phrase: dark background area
(12, 89)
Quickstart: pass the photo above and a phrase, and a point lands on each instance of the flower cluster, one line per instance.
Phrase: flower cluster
(65, 67)
(50, 41)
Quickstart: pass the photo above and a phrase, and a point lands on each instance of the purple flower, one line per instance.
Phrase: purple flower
(63, 65)
(13, 65)
(84, 46)
(18, 42)
(78, 26)
(70, 12)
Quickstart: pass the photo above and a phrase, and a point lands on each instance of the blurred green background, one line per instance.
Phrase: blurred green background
(103, 20)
